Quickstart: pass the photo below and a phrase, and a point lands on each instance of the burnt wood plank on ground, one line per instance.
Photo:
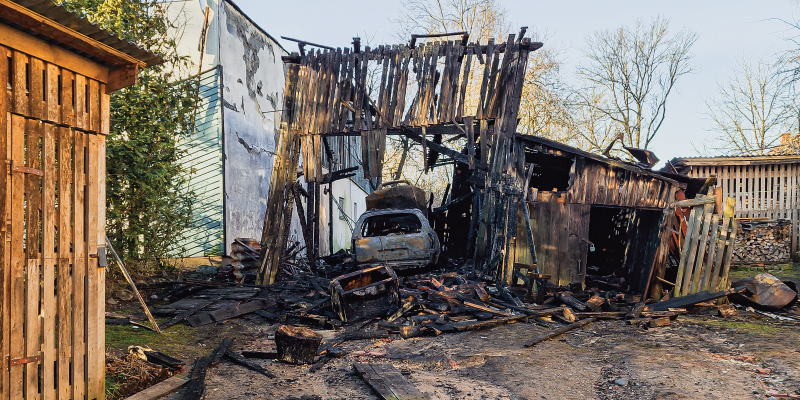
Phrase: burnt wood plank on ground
(388, 382)
(197, 385)
(691, 299)
(225, 313)
(186, 314)
(561, 331)
(219, 352)
(237, 359)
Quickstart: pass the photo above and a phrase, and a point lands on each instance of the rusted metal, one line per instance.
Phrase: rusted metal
(365, 294)
(398, 238)
(398, 194)
(765, 292)
(21, 361)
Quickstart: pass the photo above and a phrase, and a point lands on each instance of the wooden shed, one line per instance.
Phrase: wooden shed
(765, 187)
(593, 216)
(58, 70)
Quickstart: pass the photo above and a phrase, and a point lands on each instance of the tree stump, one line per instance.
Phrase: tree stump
(297, 345)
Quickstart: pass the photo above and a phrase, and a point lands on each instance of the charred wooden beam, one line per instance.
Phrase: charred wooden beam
(219, 352)
(560, 331)
(237, 359)
(691, 299)
(197, 384)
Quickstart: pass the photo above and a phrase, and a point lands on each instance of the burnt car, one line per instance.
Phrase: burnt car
(401, 239)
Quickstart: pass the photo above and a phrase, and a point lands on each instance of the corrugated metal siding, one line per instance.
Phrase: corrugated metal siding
(203, 160)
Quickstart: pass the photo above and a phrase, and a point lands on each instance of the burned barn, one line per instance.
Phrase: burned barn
(592, 218)
(588, 220)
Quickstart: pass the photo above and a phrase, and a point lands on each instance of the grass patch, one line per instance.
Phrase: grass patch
(752, 329)
(786, 272)
(122, 336)
(180, 341)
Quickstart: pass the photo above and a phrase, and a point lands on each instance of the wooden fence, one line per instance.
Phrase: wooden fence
(706, 250)
(52, 286)
(767, 191)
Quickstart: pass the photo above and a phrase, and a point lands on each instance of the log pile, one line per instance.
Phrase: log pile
(245, 253)
(763, 241)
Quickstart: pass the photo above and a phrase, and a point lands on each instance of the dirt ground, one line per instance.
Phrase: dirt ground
(700, 355)
(696, 357)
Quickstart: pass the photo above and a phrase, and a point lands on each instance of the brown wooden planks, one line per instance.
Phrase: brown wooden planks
(79, 266)
(18, 259)
(67, 97)
(97, 229)
(105, 110)
(95, 289)
(36, 93)
(93, 109)
(5, 301)
(33, 214)
(19, 82)
(49, 305)
(81, 102)
(52, 89)
(64, 290)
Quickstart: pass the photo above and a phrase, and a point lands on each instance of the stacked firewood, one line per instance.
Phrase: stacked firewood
(245, 253)
(763, 241)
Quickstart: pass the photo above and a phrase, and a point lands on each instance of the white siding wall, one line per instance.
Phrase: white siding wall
(354, 204)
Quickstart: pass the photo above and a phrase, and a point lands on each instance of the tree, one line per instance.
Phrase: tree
(147, 204)
(751, 111)
(481, 19)
(637, 68)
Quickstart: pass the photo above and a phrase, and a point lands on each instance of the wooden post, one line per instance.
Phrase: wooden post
(285, 166)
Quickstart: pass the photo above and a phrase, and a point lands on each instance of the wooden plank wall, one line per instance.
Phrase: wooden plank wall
(343, 91)
(560, 220)
(761, 191)
(54, 122)
(604, 184)
(559, 230)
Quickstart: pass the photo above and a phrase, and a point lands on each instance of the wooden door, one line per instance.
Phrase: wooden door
(52, 318)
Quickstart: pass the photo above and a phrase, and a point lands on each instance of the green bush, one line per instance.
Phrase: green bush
(147, 204)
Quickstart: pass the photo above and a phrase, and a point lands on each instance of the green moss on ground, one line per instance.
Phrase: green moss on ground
(785, 272)
(750, 328)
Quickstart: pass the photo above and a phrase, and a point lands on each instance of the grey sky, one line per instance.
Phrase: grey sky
(727, 30)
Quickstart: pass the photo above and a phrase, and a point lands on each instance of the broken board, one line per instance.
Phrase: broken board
(388, 383)
(225, 313)
(161, 389)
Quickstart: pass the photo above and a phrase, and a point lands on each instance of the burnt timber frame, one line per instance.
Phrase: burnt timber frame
(328, 93)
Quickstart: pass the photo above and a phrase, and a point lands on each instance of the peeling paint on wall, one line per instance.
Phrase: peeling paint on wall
(252, 149)
(252, 89)
(253, 41)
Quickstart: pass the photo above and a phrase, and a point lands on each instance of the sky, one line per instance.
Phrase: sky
(727, 32)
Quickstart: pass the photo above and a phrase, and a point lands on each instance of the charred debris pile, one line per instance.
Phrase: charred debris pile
(376, 303)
